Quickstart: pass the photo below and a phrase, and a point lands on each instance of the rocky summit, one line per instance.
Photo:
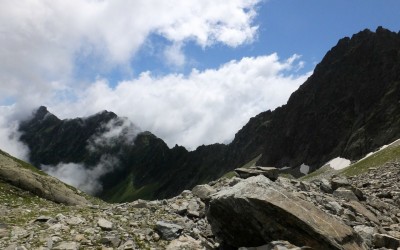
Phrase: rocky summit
(326, 211)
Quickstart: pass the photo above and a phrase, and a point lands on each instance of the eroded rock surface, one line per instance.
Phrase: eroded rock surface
(257, 211)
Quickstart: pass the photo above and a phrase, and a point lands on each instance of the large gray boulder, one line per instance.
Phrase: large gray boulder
(257, 211)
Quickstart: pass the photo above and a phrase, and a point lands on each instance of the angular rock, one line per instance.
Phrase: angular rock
(111, 240)
(203, 191)
(345, 193)
(367, 233)
(257, 211)
(105, 224)
(74, 221)
(325, 186)
(274, 245)
(168, 231)
(384, 240)
(269, 172)
(339, 181)
(334, 207)
(361, 209)
(185, 243)
(43, 219)
(67, 245)
(129, 245)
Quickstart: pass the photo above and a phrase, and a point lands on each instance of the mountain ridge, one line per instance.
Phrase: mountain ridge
(347, 107)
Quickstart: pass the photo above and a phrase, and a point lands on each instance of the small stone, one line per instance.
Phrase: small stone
(110, 240)
(43, 219)
(156, 237)
(168, 231)
(67, 245)
(279, 245)
(79, 237)
(184, 243)
(105, 224)
(339, 181)
(325, 186)
(334, 207)
(139, 204)
(203, 191)
(345, 193)
(74, 221)
(129, 245)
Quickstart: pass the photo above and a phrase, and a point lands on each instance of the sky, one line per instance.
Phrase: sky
(192, 72)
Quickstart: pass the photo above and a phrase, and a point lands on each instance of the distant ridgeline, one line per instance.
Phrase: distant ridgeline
(348, 107)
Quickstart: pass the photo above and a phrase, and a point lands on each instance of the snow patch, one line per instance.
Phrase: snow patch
(304, 169)
(338, 163)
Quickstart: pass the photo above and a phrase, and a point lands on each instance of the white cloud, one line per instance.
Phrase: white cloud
(201, 108)
(9, 135)
(116, 131)
(174, 55)
(42, 40)
(84, 178)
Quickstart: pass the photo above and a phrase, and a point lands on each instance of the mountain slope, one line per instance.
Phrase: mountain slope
(20, 175)
(348, 107)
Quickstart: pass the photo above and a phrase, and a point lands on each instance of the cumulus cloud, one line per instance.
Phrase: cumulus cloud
(43, 42)
(174, 55)
(82, 177)
(204, 107)
(9, 134)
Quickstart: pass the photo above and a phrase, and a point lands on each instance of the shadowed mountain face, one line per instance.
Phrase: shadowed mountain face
(348, 107)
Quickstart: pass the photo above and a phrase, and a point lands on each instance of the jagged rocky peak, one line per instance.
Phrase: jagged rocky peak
(42, 114)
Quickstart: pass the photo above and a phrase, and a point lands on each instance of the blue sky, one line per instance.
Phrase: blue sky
(307, 28)
(192, 72)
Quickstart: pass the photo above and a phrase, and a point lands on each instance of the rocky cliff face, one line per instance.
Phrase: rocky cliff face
(348, 107)
(141, 165)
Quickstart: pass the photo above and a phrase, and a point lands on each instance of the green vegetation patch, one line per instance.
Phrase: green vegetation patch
(389, 154)
(126, 191)
(319, 172)
(23, 164)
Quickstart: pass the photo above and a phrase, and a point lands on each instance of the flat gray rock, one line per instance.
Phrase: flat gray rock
(257, 211)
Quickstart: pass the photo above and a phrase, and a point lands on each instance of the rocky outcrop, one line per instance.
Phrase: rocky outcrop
(257, 211)
(269, 172)
(40, 184)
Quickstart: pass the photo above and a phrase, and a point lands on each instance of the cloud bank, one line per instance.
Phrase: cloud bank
(44, 44)
(204, 107)
(82, 177)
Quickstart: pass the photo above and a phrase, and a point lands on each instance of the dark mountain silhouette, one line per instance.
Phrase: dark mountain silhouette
(349, 106)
